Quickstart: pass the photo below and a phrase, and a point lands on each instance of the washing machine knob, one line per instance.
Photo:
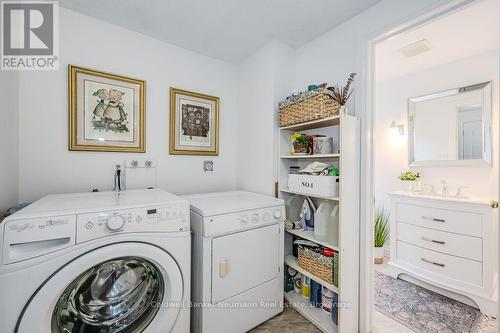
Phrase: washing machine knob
(115, 222)
(243, 219)
(255, 218)
(277, 214)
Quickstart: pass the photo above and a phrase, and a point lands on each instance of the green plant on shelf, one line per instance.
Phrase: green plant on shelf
(300, 139)
(381, 227)
(408, 175)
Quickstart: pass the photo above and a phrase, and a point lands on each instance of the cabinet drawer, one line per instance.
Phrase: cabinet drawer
(446, 242)
(460, 269)
(441, 219)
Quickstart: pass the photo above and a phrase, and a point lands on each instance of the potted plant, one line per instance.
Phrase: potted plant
(342, 94)
(300, 144)
(409, 178)
(381, 233)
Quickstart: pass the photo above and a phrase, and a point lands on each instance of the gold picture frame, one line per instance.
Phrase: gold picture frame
(107, 112)
(194, 123)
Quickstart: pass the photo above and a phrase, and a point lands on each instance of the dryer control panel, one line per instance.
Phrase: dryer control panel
(245, 220)
(168, 218)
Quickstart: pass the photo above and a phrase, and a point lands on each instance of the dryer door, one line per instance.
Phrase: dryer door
(244, 260)
(119, 288)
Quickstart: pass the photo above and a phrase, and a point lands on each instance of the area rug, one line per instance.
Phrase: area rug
(424, 311)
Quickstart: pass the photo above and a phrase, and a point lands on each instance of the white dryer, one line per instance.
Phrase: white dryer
(97, 262)
(237, 259)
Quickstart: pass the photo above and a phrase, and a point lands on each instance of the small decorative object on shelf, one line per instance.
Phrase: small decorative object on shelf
(300, 143)
(381, 233)
(342, 94)
(409, 179)
(312, 137)
(322, 145)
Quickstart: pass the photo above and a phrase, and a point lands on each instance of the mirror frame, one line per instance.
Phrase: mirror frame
(486, 128)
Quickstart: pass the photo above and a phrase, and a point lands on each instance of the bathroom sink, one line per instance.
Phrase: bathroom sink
(451, 198)
(440, 196)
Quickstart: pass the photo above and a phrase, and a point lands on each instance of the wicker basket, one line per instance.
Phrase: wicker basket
(308, 260)
(318, 106)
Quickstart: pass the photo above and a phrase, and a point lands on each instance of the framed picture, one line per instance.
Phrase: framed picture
(107, 112)
(194, 123)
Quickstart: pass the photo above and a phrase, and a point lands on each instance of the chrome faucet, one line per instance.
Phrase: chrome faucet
(460, 192)
(444, 188)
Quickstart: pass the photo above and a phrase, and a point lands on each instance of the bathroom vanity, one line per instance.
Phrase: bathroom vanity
(447, 242)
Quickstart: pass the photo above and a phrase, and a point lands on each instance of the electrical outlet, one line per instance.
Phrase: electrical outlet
(208, 166)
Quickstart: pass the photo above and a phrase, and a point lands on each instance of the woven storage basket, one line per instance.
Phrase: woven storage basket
(314, 266)
(318, 106)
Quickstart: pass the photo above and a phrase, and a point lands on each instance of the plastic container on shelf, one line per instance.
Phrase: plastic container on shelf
(326, 299)
(332, 230)
(315, 294)
(321, 220)
(306, 287)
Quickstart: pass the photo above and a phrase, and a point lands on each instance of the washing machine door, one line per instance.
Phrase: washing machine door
(118, 288)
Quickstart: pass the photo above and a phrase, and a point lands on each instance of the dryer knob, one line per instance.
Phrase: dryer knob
(115, 222)
(255, 218)
(277, 214)
(266, 217)
(243, 219)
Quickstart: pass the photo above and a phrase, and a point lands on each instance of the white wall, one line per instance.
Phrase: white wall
(391, 154)
(9, 91)
(45, 164)
(264, 79)
(335, 54)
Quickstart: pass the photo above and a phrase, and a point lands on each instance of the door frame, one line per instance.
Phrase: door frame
(365, 100)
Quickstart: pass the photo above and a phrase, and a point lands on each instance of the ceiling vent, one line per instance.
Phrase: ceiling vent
(415, 48)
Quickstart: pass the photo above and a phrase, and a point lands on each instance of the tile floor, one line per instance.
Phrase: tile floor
(288, 321)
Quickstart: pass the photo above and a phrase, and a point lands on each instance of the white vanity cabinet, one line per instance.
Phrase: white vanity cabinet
(446, 242)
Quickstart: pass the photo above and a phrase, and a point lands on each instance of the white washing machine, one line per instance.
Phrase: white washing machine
(237, 259)
(97, 262)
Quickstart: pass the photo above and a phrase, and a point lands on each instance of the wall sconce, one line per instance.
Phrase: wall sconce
(397, 129)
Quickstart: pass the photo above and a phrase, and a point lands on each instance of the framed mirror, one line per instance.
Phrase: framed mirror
(451, 127)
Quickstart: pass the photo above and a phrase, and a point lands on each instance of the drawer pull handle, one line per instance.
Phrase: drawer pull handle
(433, 219)
(432, 262)
(432, 240)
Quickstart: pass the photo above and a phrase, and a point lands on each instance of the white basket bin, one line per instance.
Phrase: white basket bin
(326, 186)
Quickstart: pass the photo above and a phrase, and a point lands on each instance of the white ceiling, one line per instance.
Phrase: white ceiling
(468, 32)
(230, 30)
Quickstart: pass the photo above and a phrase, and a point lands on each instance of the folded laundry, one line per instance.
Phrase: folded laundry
(315, 168)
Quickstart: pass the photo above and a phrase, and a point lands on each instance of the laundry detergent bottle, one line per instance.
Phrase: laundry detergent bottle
(321, 220)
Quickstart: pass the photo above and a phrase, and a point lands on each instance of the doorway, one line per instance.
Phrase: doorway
(426, 72)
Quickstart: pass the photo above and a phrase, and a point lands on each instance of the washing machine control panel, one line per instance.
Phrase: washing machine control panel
(228, 223)
(167, 218)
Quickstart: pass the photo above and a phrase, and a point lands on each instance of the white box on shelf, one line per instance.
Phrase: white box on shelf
(327, 186)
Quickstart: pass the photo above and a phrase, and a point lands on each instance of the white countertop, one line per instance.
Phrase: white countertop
(450, 198)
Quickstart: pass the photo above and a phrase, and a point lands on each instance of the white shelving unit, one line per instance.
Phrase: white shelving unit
(310, 195)
(345, 132)
(310, 157)
(309, 235)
